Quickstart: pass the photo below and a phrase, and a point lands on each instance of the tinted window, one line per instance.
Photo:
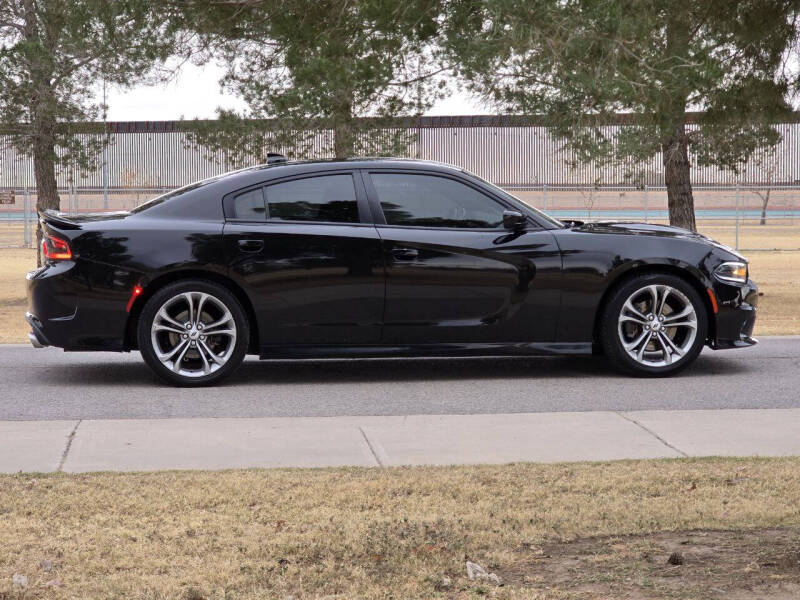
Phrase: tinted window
(158, 200)
(429, 201)
(328, 198)
(250, 206)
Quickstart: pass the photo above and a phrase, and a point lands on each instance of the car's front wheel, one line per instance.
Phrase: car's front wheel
(193, 333)
(653, 325)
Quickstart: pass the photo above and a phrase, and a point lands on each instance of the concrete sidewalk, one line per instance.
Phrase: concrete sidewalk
(221, 443)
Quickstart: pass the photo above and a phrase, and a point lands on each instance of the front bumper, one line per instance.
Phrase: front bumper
(736, 317)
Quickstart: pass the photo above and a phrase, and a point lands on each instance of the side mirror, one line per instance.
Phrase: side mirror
(514, 220)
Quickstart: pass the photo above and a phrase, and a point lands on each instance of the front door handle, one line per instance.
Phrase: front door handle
(404, 253)
(251, 245)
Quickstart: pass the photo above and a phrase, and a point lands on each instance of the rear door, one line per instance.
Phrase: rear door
(307, 254)
(454, 273)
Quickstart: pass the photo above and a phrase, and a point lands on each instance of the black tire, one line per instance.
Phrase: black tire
(615, 326)
(231, 341)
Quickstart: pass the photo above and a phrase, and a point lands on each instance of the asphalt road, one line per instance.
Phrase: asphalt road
(51, 384)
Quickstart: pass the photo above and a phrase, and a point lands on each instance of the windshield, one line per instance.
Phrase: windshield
(500, 191)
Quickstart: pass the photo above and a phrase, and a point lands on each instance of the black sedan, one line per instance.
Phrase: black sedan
(383, 257)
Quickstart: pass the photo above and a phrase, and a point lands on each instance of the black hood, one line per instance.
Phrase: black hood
(651, 229)
(631, 227)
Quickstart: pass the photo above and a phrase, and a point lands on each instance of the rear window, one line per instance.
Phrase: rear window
(158, 200)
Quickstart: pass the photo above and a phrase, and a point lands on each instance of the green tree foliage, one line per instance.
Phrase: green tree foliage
(581, 61)
(307, 66)
(53, 55)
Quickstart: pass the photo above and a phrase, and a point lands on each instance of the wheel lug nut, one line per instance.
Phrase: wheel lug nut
(649, 317)
(199, 325)
(202, 337)
(188, 326)
(185, 336)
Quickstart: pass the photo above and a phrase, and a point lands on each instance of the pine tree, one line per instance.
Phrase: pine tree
(53, 55)
(578, 63)
(309, 65)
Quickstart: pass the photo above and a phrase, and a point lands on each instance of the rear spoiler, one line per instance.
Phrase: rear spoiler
(57, 219)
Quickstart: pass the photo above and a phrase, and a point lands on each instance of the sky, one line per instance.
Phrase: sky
(195, 93)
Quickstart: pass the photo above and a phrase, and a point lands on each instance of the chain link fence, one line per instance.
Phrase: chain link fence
(745, 217)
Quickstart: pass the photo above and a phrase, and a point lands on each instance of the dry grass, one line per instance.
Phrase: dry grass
(772, 237)
(12, 235)
(778, 278)
(395, 533)
(14, 263)
(775, 273)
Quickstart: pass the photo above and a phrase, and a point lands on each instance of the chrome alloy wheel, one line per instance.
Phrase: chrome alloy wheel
(193, 334)
(657, 325)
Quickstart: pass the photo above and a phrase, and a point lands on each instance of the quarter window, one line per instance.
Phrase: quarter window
(327, 198)
(430, 201)
(249, 206)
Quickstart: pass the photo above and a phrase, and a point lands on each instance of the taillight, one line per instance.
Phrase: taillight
(55, 248)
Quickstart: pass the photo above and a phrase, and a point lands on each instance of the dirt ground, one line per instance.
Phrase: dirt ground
(586, 531)
(759, 564)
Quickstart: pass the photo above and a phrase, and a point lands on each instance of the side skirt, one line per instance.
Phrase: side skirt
(454, 350)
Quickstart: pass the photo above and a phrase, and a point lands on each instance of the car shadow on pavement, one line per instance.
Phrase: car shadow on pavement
(310, 371)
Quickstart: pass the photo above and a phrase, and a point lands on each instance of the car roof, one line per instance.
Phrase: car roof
(242, 178)
(291, 167)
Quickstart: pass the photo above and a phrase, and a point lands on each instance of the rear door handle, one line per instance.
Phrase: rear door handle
(251, 245)
(404, 253)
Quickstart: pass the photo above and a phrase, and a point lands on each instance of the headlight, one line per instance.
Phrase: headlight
(734, 272)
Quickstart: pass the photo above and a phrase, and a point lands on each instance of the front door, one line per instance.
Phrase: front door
(455, 275)
(310, 260)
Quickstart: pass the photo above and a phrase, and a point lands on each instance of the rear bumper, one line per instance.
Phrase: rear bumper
(36, 335)
(736, 317)
(66, 309)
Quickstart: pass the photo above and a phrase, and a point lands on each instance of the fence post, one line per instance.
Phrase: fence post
(645, 203)
(105, 176)
(26, 226)
(736, 245)
(544, 197)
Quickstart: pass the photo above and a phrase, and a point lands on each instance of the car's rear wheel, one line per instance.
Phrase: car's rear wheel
(193, 333)
(654, 325)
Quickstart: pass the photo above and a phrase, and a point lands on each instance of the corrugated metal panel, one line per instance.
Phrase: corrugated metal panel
(500, 149)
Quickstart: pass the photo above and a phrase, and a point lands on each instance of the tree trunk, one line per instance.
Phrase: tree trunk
(44, 171)
(674, 144)
(677, 180)
(344, 138)
(42, 122)
(764, 202)
(344, 127)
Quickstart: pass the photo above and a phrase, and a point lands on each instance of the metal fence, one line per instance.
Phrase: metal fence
(145, 159)
(730, 214)
(506, 150)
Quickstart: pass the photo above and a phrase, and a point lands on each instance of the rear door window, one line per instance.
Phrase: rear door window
(324, 198)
